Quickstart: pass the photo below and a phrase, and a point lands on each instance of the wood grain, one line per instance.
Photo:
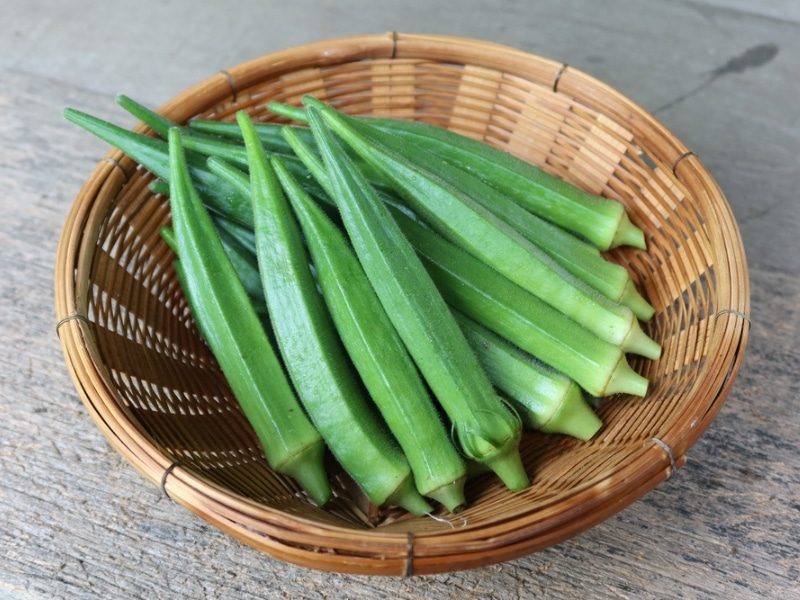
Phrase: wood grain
(77, 522)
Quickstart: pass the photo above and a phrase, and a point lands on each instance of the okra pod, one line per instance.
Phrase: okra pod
(485, 429)
(602, 221)
(546, 399)
(483, 293)
(378, 353)
(486, 296)
(312, 350)
(235, 335)
(576, 256)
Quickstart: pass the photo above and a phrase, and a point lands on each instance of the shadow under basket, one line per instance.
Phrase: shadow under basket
(152, 387)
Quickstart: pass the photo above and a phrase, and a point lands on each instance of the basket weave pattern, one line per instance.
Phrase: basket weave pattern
(154, 390)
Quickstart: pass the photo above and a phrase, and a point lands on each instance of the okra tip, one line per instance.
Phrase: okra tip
(406, 496)
(628, 234)
(168, 235)
(451, 495)
(307, 467)
(293, 113)
(77, 117)
(574, 417)
(123, 100)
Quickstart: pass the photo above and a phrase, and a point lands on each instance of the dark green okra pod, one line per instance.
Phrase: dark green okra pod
(234, 333)
(312, 350)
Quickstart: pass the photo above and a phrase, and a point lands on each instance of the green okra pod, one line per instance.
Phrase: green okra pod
(602, 221)
(498, 303)
(235, 335)
(577, 257)
(486, 296)
(546, 399)
(458, 217)
(484, 428)
(378, 353)
(312, 350)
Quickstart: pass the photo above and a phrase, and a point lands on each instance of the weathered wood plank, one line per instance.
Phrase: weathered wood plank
(76, 521)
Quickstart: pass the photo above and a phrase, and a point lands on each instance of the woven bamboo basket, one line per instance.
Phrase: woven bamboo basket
(152, 387)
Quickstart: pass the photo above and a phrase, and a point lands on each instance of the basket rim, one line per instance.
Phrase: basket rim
(375, 551)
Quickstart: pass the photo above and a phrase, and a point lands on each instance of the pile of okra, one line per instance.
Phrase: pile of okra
(405, 298)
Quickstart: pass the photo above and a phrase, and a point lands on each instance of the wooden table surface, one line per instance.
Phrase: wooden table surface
(77, 521)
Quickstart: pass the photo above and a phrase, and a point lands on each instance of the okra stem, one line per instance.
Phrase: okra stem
(392, 379)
